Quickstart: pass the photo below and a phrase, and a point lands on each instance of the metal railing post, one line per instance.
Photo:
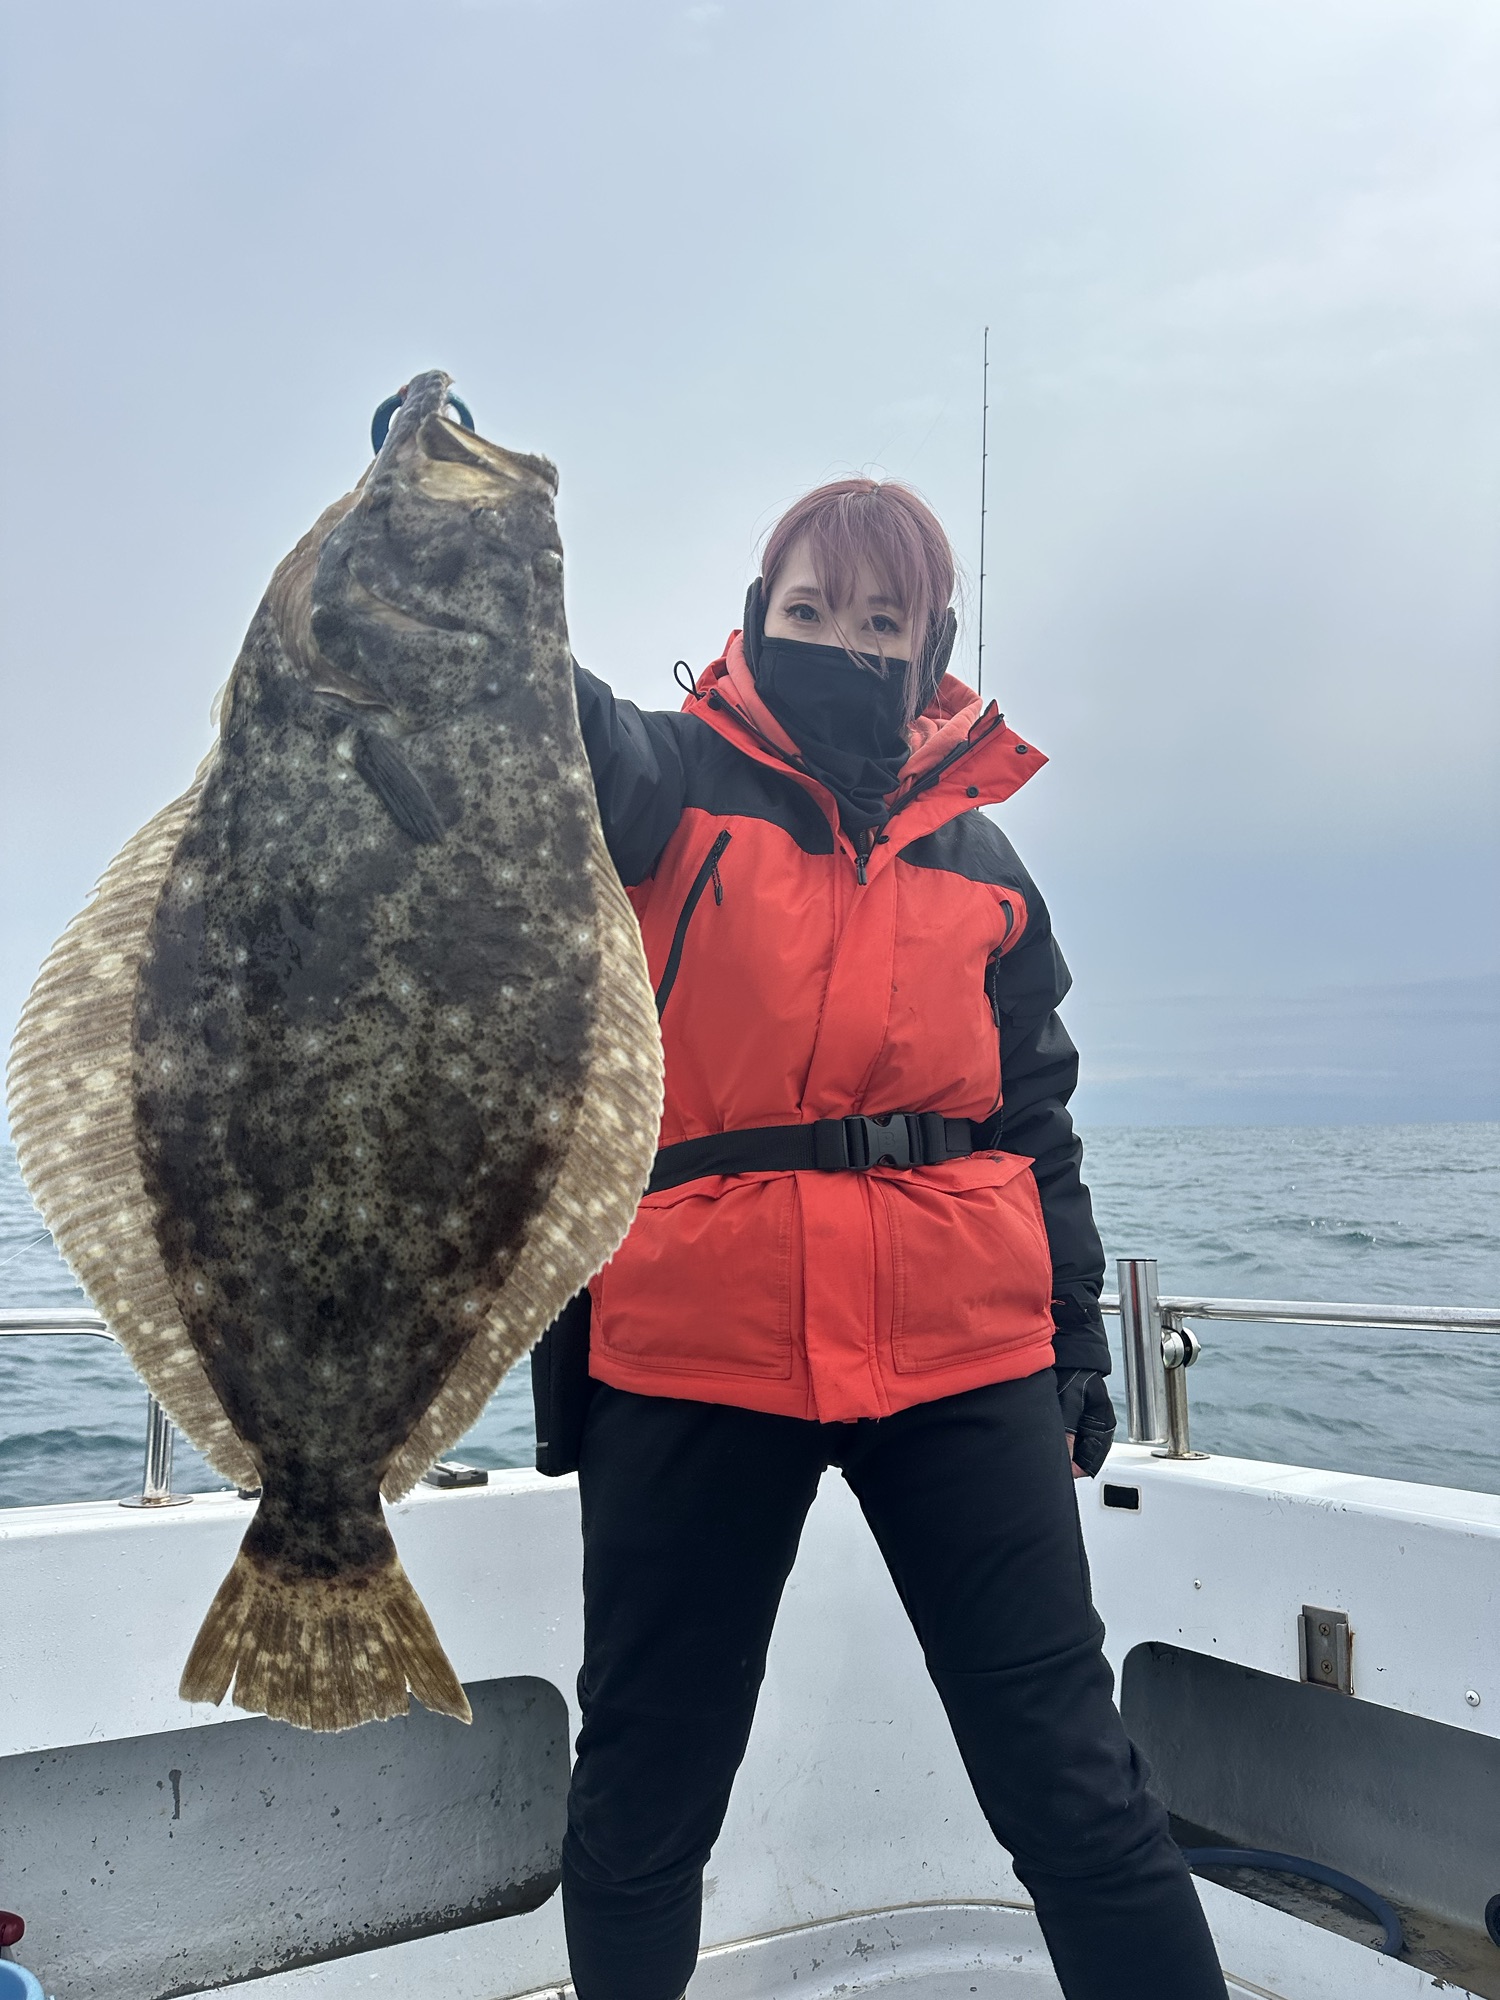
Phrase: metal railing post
(156, 1474)
(1141, 1331)
(1180, 1348)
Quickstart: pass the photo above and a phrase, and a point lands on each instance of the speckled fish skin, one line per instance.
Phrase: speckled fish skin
(364, 1021)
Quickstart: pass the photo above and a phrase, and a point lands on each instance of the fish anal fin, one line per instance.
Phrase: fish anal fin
(393, 781)
(593, 1199)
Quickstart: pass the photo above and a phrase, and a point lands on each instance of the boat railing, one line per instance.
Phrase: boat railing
(161, 1432)
(1159, 1348)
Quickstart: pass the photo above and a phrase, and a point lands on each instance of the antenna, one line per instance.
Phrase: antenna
(984, 468)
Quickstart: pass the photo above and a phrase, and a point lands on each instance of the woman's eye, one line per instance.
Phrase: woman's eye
(803, 613)
(885, 626)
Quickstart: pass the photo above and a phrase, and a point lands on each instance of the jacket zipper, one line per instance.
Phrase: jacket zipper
(709, 872)
(877, 834)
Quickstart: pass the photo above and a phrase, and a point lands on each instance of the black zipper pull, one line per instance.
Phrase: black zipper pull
(718, 885)
(859, 868)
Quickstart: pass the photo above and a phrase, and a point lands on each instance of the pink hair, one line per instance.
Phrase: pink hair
(880, 523)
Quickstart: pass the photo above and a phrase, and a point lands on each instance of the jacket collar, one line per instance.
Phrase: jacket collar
(963, 754)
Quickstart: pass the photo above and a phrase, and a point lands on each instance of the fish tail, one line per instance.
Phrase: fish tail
(321, 1652)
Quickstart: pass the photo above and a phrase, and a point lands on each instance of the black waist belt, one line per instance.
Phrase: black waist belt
(827, 1146)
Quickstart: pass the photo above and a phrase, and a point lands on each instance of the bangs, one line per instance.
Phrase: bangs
(856, 523)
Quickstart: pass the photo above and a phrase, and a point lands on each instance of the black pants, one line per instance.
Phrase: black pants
(691, 1518)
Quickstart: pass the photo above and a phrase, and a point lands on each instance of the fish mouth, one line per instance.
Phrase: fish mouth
(449, 462)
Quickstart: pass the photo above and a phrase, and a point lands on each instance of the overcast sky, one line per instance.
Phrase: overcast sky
(1241, 264)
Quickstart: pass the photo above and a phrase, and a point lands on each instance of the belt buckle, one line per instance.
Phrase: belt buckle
(883, 1142)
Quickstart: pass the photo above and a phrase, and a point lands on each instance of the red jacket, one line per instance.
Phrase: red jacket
(797, 981)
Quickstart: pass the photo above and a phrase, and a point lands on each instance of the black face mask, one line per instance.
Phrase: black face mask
(847, 719)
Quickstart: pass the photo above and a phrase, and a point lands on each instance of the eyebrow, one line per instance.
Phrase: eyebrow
(812, 590)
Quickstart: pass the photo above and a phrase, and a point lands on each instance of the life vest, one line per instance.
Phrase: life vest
(800, 979)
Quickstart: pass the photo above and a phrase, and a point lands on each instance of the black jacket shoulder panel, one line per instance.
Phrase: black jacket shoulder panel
(650, 765)
(972, 846)
(722, 779)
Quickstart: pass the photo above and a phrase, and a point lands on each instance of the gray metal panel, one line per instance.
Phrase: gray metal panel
(159, 1865)
(1410, 1806)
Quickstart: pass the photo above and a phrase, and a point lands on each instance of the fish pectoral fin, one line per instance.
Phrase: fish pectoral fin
(393, 781)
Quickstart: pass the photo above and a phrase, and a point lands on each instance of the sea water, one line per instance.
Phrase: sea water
(1393, 1214)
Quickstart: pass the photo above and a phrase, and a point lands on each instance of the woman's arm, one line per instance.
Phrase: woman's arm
(1038, 1073)
(636, 758)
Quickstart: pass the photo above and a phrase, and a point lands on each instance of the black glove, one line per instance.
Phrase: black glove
(1088, 1414)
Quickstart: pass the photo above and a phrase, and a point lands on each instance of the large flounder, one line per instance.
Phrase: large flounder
(349, 1076)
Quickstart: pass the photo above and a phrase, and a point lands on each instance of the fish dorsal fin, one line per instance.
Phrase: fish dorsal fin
(72, 1113)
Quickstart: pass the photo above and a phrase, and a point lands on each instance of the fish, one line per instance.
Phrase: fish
(348, 1077)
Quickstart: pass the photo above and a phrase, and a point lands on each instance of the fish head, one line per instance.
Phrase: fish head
(446, 560)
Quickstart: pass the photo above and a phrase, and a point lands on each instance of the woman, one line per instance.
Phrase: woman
(866, 1244)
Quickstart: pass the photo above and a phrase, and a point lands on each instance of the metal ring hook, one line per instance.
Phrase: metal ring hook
(380, 423)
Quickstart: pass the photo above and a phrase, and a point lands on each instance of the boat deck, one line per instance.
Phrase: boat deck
(160, 1850)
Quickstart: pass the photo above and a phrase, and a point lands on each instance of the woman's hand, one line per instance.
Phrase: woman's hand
(1088, 1418)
